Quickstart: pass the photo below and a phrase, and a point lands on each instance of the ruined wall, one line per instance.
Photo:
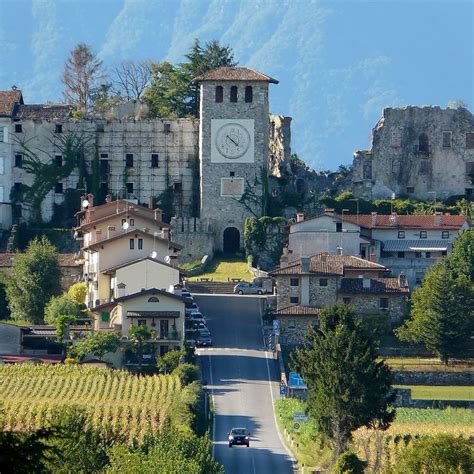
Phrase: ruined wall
(279, 147)
(416, 152)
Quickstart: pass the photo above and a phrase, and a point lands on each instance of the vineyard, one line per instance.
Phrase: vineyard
(114, 400)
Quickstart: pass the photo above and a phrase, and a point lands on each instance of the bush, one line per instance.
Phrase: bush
(349, 463)
(170, 361)
(187, 373)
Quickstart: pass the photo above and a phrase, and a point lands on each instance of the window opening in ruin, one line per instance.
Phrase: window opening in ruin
(154, 160)
(338, 226)
(401, 234)
(294, 300)
(383, 303)
(132, 244)
(58, 188)
(58, 128)
(129, 160)
(445, 234)
(104, 188)
(470, 171)
(58, 160)
(219, 94)
(410, 189)
(272, 131)
(396, 140)
(447, 139)
(323, 282)
(294, 282)
(470, 140)
(17, 211)
(100, 128)
(367, 171)
(231, 239)
(178, 187)
(130, 188)
(18, 128)
(423, 143)
(423, 234)
(232, 174)
(248, 94)
(233, 94)
(167, 128)
(18, 160)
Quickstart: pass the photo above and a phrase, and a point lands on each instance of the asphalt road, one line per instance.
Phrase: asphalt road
(243, 380)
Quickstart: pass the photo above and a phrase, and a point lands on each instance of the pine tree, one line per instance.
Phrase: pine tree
(347, 386)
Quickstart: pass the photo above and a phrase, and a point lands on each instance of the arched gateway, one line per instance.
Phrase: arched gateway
(231, 240)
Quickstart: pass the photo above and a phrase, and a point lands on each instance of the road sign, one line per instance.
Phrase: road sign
(276, 324)
(298, 417)
(283, 389)
(296, 426)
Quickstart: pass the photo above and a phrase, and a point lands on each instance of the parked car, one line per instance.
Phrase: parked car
(245, 288)
(185, 293)
(196, 316)
(203, 332)
(191, 308)
(192, 324)
(204, 340)
(239, 436)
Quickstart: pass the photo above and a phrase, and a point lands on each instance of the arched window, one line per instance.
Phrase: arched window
(248, 94)
(219, 94)
(423, 143)
(233, 94)
(153, 299)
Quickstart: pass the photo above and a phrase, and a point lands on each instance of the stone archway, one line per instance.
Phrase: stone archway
(231, 240)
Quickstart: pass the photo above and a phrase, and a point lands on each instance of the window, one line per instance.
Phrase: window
(2, 165)
(18, 128)
(423, 234)
(140, 244)
(219, 94)
(153, 299)
(294, 282)
(445, 234)
(410, 189)
(346, 300)
(470, 171)
(58, 128)
(154, 160)
(423, 143)
(167, 128)
(100, 128)
(132, 244)
(291, 324)
(470, 140)
(232, 174)
(17, 211)
(58, 188)
(104, 167)
(383, 303)
(58, 160)
(294, 300)
(396, 139)
(18, 160)
(428, 255)
(248, 94)
(104, 188)
(338, 226)
(129, 160)
(419, 277)
(178, 187)
(447, 138)
(132, 222)
(395, 166)
(123, 221)
(468, 193)
(417, 254)
(401, 234)
(141, 322)
(104, 156)
(233, 94)
(444, 253)
(323, 282)
(130, 188)
(401, 254)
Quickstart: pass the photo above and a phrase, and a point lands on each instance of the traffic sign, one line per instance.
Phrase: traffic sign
(299, 417)
(276, 324)
(283, 389)
(296, 426)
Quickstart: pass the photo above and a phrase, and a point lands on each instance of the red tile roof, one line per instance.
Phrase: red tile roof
(297, 310)
(18, 359)
(377, 285)
(324, 264)
(445, 222)
(8, 100)
(234, 74)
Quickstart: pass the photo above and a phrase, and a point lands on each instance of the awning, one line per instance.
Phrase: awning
(152, 314)
(421, 245)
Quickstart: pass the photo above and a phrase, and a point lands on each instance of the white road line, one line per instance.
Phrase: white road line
(213, 410)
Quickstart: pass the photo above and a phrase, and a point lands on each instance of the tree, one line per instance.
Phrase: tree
(4, 311)
(137, 336)
(97, 344)
(347, 386)
(461, 259)
(131, 79)
(441, 454)
(78, 292)
(442, 316)
(36, 277)
(81, 77)
(61, 306)
(168, 362)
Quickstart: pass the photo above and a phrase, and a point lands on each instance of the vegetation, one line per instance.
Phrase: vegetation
(461, 259)
(97, 344)
(138, 336)
(428, 365)
(347, 387)
(170, 361)
(434, 418)
(61, 306)
(224, 267)
(436, 392)
(349, 463)
(36, 277)
(78, 292)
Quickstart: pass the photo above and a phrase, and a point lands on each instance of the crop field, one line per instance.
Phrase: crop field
(113, 399)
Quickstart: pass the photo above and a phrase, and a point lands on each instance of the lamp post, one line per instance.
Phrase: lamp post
(342, 228)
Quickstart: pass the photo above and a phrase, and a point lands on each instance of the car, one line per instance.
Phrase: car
(239, 436)
(204, 340)
(245, 288)
(197, 325)
(196, 316)
(185, 293)
(191, 308)
(203, 332)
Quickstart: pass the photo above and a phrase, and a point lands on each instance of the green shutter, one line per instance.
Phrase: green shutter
(104, 316)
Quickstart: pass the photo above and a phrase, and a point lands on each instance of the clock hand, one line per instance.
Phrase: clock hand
(233, 141)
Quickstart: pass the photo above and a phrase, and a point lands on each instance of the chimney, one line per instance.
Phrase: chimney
(374, 217)
(305, 264)
(90, 198)
(437, 218)
(402, 281)
(165, 233)
(158, 214)
(284, 258)
(108, 198)
(299, 216)
(366, 283)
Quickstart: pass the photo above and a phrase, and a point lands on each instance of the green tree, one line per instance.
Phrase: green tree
(4, 311)
(442, 315)
(36, 277)
(461, 259)
(138, 335)
(441, 454)
(61, 306)
(97, 344)
(78, 294)
(168, 362)
(347, 386)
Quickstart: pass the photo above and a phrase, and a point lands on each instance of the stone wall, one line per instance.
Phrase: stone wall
(320, 296)
(294, 328)
(433, 378)
(279, 153)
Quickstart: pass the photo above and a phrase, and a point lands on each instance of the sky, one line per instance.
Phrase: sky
(339, 63)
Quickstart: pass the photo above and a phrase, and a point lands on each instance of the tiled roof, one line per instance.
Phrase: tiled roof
(297, 310)
(324, 264)
(442, 222)
(43, 111)
(141, 259)
(65, 260)
(18, 359)
(377, 285)
(234, 74)
(150, 291)
(132, 212)
(8, 99)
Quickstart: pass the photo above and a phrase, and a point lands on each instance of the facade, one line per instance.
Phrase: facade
(312, 283)
(420, 152)
(407, 245)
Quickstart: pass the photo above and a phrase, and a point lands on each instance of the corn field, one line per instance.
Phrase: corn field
(116, 400)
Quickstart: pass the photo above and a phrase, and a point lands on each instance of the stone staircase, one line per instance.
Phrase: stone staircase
(211, 287)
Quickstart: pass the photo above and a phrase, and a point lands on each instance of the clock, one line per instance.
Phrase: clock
(232, 140)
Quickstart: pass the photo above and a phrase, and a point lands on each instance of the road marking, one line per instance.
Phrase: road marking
(213, 410)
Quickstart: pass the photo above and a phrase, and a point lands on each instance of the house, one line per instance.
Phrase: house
(312, 283)
(407, 244)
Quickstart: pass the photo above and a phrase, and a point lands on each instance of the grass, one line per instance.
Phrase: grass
(428, 365)
(430, 392)
(222, 268)
(435, 416)
(191, 265)
(16, 322)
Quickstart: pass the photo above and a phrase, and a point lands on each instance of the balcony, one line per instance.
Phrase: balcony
(392, 262)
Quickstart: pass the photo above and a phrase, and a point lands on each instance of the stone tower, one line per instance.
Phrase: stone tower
(233, 147)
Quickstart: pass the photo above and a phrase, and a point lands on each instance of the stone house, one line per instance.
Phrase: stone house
(312, 283)
(407, 244)
(420, 152)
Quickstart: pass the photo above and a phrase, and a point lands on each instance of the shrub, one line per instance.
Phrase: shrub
(170, 361)
(349, 463)
(187, 373)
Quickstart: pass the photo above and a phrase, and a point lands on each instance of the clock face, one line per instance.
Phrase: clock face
(232, 140)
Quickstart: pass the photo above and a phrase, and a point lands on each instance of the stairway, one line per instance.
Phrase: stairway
(208, 287)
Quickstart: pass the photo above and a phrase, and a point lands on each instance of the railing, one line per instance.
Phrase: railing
(170, 336)
(408, 262)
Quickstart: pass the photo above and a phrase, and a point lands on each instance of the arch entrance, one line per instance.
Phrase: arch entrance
(231, 240)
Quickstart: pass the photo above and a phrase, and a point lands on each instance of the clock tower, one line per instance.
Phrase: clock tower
(233, 148)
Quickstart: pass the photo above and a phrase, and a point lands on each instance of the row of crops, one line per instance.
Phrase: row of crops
(115, 400)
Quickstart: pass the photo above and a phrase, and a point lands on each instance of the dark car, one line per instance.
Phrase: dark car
(203, 339)
(239, 436)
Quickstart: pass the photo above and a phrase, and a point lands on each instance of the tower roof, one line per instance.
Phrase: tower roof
(234, 74)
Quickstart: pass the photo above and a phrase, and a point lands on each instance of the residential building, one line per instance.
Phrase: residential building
(406, 244)
(312, 283)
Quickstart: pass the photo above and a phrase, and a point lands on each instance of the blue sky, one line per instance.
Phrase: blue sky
(339, 62)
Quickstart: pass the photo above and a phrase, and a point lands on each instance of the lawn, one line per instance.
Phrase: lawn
(223, 268)
(431, 392)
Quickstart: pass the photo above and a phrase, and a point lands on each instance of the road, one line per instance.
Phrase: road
(243, 380)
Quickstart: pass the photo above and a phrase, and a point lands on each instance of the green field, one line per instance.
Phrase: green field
(225, 267)
(431, 392)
